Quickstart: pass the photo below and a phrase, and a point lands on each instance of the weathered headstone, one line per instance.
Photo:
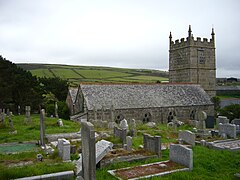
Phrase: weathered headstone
(187, 136)
(236, 121)
(56, 110)
(202, 116)
(19, 110)
(182, 155)
(209, 122)
(102, 148)
(111, 125)
(64, 149)
(28, 114)
(60, 123)
(222, 120)
(152, 144)
(129, 143)
(10, 121)
(228, 129)
(120, 133)
(133, 127)
(42, 127)
(2, 116)
(151, 124)
(123, 124)
(88, 151)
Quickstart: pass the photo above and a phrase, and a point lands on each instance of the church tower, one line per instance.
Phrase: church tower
(193, 61)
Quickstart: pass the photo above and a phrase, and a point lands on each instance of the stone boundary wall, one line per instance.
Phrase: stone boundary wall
(120, 133)
(59, 175)
(182, 155)
(228, 129)
(152, 144)
(88, 151)
(187, 136)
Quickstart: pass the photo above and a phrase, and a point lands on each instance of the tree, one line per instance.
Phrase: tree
(232, 111)
(216, 100)
(56, 86)
(18, 87)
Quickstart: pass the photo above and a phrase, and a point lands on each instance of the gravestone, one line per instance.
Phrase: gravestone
(102, 148)
(111, 125)
(228, 129)
(209, 122)
(129, 143)
(182, 155)
(133, 127)
(152, 144)
(202, 116)
(19, 110)
(60, 123)
(64, 149)
(123, 124)
(120, 133)
(88, 151)
(222, 120)
(236, 121)
(42, 127)
(10, 122)
(187, 136)
(28, 114)
(56, 110)
(2, 117)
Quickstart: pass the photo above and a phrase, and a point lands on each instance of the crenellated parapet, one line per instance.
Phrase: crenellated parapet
(199, 42)
(191, 41)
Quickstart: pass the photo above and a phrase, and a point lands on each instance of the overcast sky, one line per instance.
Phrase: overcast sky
(119, 33)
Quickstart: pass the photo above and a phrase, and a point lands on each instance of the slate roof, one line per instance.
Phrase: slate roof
(126, 96)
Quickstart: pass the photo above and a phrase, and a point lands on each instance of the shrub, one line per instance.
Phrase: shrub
(232, 111)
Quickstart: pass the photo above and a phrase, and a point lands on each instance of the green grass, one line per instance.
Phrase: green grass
(65, 73)
(42, 73)
(77, 74)
(207, 164)
(31, 132)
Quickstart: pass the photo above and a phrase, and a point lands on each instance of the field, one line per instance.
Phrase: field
(77, 74)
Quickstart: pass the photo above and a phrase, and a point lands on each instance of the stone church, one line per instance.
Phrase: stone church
(192, 74)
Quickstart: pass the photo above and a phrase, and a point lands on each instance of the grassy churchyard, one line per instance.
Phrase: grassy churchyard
(207, 163)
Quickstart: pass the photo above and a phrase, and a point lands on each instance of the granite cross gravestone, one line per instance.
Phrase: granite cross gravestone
(124, 124)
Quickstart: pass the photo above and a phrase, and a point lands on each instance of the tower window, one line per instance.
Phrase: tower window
(201, 56)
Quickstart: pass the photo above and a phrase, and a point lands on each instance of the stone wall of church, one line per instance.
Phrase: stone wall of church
(158, 115)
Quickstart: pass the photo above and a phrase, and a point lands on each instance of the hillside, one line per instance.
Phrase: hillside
(77, 74)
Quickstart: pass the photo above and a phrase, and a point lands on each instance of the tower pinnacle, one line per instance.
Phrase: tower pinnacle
(189, 31)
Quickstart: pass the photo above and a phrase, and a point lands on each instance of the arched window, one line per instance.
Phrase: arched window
(147, 117)
(119, 118)
(193, 114)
